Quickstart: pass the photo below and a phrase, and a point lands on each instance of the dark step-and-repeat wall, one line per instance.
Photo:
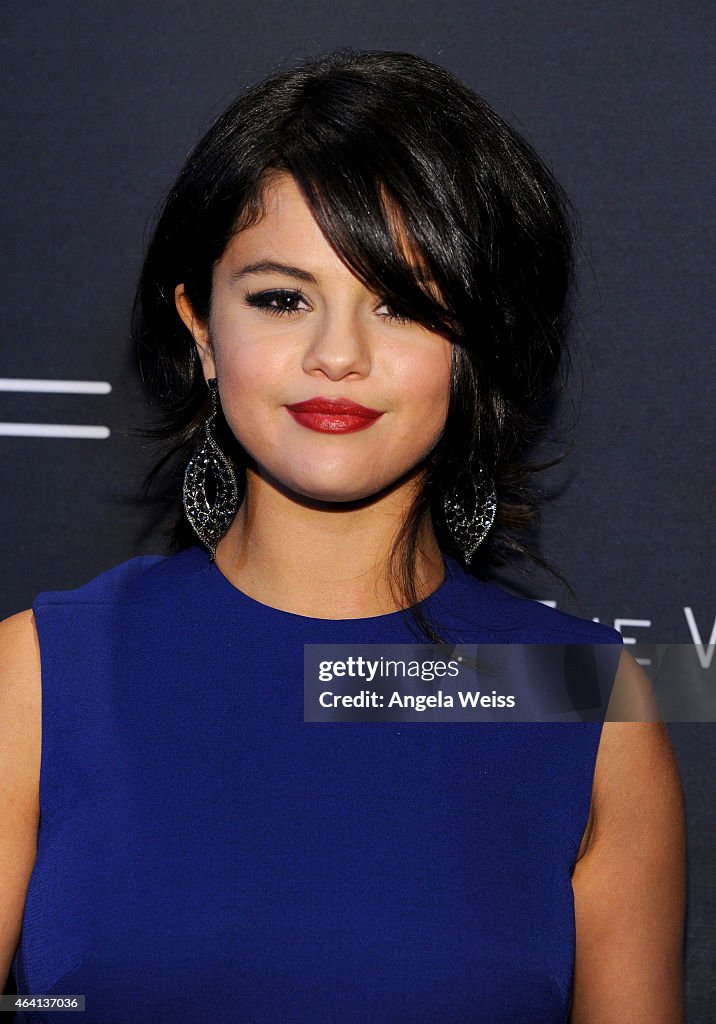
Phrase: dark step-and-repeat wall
(103, 101)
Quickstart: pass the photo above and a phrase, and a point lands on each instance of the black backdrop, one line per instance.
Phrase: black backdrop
(102, 103)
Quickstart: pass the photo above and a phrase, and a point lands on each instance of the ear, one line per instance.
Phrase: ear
(198, 330)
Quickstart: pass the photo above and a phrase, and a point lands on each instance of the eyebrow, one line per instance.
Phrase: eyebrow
(272, 267)
(275, 267)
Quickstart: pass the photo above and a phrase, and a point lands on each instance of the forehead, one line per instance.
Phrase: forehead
(286, 227)
(283, 230)
(283, 215)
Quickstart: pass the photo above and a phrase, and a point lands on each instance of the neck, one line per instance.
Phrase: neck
(323, 560)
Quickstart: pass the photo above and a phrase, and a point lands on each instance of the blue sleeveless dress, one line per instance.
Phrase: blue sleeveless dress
(205, 855)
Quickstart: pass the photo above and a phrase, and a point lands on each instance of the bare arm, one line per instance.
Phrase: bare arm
(19, 774)
(630, 884)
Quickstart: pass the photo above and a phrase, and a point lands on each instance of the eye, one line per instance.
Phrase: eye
(395, 316)
(277, 302)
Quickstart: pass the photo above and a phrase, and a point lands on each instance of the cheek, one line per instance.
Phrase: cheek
(425, 387)
(246, 371)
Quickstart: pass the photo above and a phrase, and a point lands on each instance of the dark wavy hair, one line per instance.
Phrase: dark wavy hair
(368, 135)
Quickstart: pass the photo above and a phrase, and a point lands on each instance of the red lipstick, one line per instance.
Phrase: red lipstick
(333, 415)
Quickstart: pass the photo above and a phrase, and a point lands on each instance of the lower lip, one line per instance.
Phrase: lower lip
(330, 423)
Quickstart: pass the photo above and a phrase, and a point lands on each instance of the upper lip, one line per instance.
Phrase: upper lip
(335, 406)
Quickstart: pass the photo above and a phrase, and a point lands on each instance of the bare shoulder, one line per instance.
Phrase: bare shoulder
(20, 692)
(636, 773)
(629, 883)
(19, 661)
(20, 749)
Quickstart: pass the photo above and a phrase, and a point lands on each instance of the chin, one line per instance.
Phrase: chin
(335, 495)
(333, 491)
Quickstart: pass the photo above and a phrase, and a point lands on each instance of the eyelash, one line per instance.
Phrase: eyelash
(263, 300)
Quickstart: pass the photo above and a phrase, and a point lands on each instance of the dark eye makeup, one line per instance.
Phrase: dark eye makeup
(277, 302)
(282, 302)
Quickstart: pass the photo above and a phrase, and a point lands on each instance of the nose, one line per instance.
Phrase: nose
(339, 346)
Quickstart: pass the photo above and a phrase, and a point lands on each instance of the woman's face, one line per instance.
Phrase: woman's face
(306, 329)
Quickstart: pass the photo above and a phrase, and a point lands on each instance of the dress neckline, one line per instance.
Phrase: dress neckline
(442, 593)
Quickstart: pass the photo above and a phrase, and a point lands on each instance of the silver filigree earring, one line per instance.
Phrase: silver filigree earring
(210, 510)
(470, 521)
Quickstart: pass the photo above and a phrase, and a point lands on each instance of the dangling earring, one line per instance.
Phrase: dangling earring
(469, 522)
(210, 519)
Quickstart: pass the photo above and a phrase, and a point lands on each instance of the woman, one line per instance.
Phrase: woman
(352, 310)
